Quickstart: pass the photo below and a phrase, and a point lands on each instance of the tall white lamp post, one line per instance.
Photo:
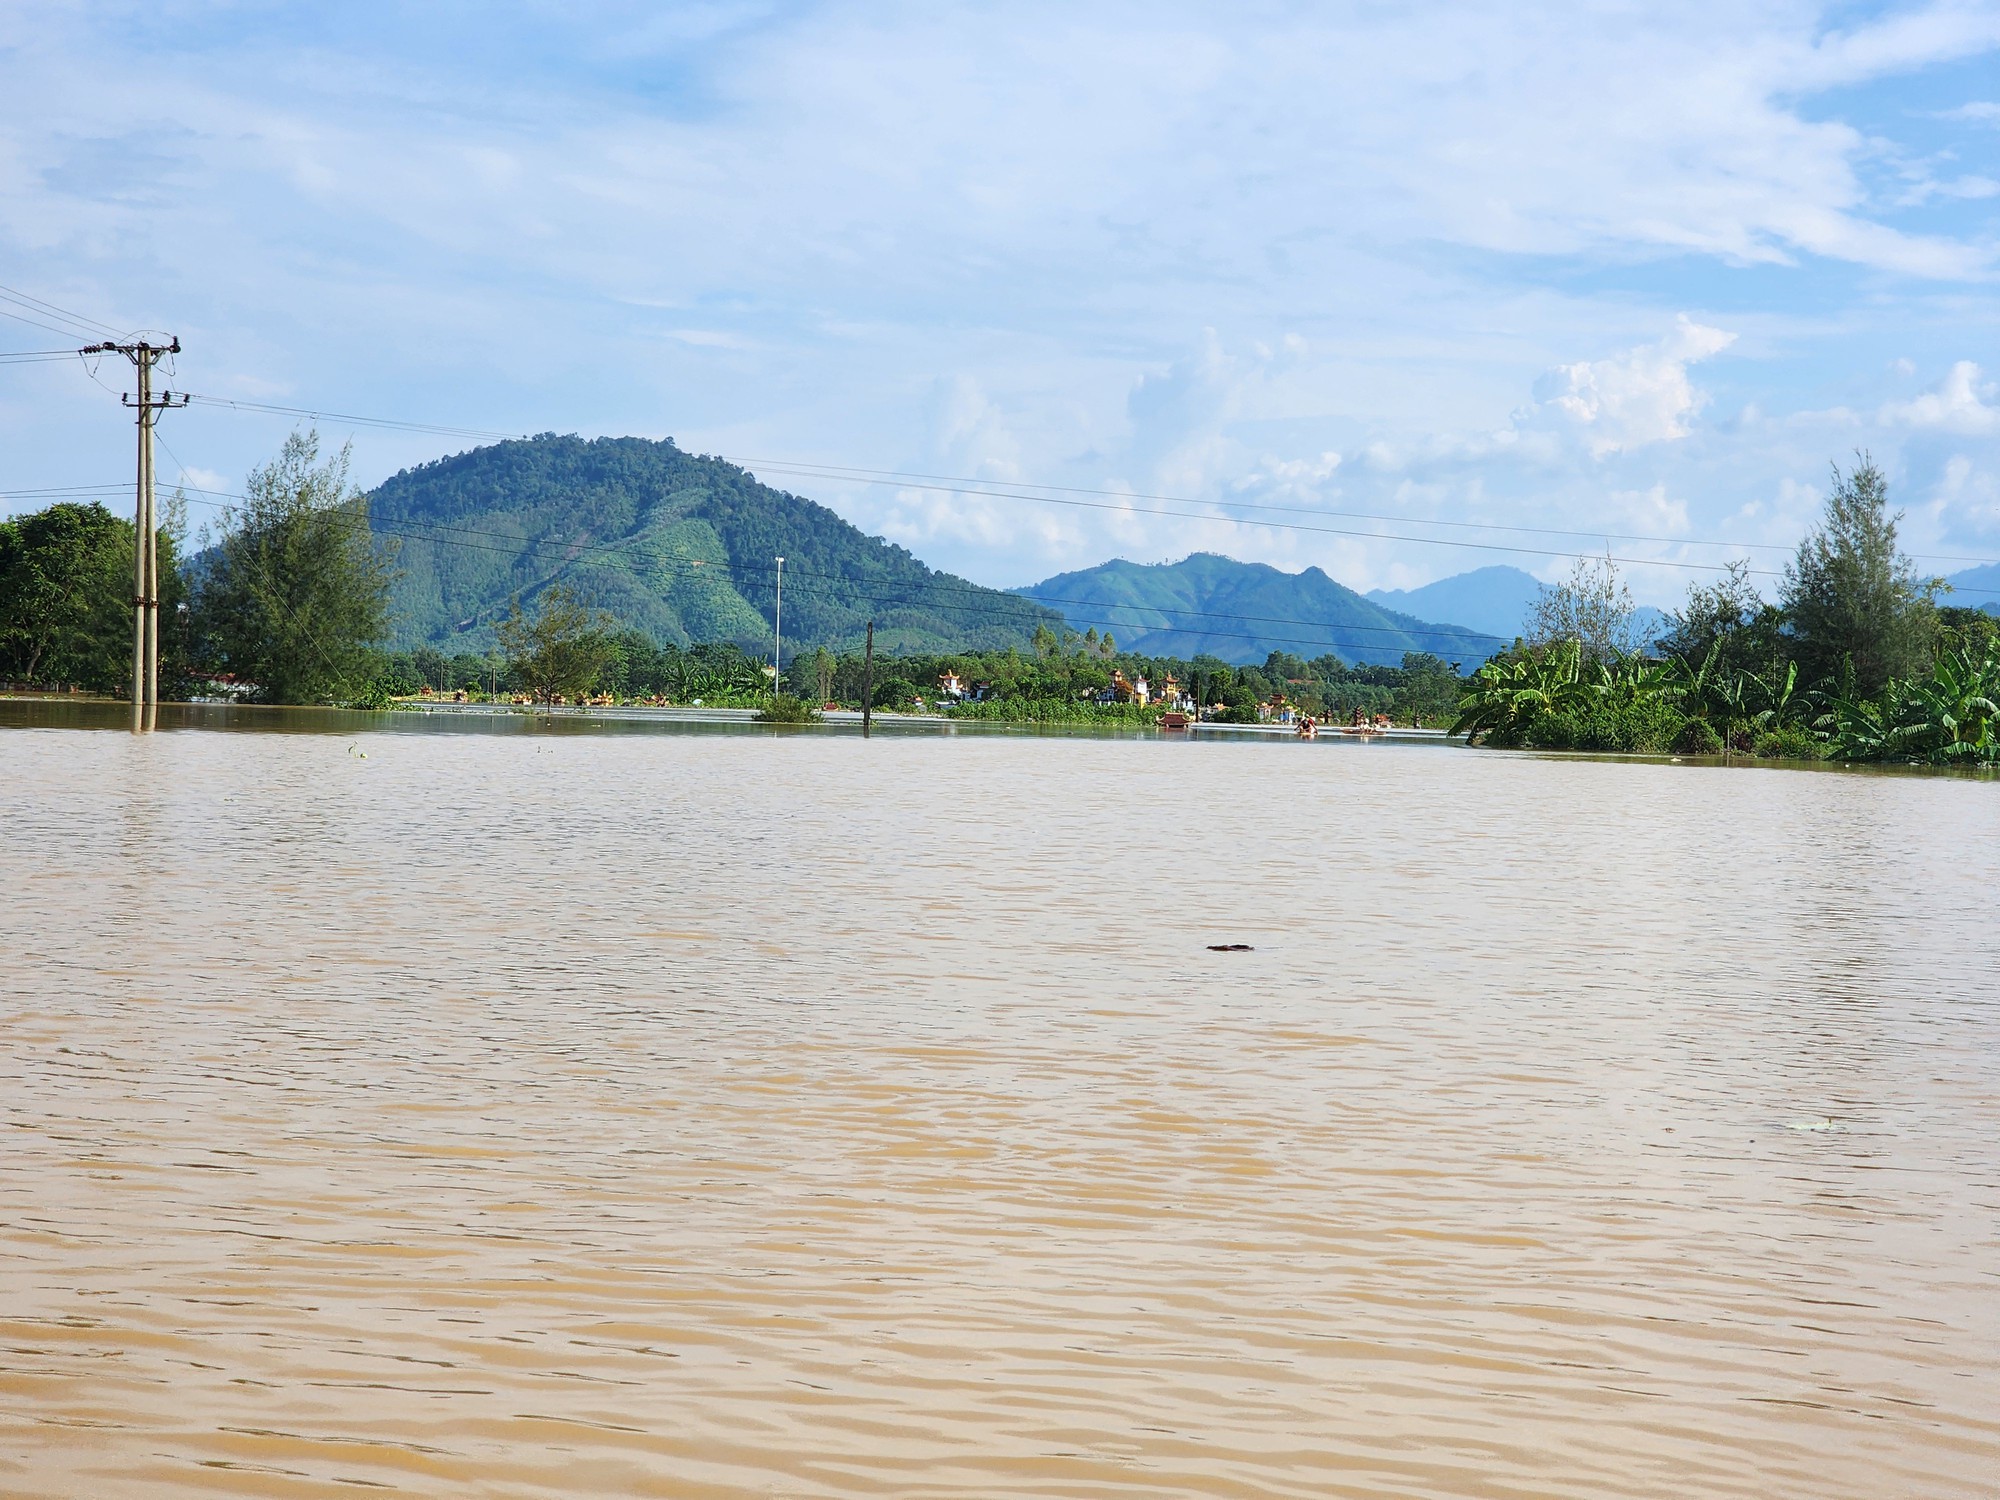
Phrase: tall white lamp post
(778, 631)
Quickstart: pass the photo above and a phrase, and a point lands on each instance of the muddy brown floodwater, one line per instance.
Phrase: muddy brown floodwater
(739, 1115)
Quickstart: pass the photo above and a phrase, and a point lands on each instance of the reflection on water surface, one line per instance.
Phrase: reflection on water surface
(719, 1115)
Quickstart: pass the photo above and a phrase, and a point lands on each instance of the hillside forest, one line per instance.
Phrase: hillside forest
(1859, 658)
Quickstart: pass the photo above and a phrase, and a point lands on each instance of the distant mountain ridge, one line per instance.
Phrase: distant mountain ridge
(1241, 612)
(680, 546)
(1976, 588)
(1496, 600)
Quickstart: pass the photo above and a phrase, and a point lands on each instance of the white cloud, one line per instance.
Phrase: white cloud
(1958, 405)
(1641, 396)
(988, 242)
(1651, 511)
(972, 435)
(1966, 502)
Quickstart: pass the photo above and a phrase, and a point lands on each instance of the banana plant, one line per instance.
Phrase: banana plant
(1504, 697)
(686, 678)
(1633, 679)
(1861, 728)
(1780, 699)
(1951, 718)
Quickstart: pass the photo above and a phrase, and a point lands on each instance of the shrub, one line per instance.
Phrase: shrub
(785, 709)
(1789, 742)
(372, 695)
(1647, 726)
(1698, 737)
(1054, 711)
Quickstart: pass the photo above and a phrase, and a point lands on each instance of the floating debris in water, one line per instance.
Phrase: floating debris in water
(357, 752)
(1230, 948)
(1825, 1122)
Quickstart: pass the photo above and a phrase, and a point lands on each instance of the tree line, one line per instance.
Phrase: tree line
(290, 605)
(292, 602)
(1859, 659)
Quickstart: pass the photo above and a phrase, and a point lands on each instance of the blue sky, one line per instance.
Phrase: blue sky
(1614, 270)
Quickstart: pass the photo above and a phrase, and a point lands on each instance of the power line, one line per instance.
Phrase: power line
(911, 593)
(50, 318)
(985, 489)
(339, 416)
(69, 489)
(967, 488)
(837, 592)
(439, 533)
(1013, 490)
(23, 299)
(44, 325)
(981, 489)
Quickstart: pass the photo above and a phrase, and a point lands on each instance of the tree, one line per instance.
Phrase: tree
(1591, 607)
(296, 599)
(822, 663)
(1726, 627)
(66, 597)
(1854, 603)
(562, 650)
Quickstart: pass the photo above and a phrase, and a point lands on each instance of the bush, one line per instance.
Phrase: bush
(785, 709)
(1648, 727)
(1054, 711)
(1698, 737)
(1790, 742)
(895, 694)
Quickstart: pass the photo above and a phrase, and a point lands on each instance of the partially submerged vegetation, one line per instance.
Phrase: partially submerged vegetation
(1856, 662)
(1857, 659)
(784, 708)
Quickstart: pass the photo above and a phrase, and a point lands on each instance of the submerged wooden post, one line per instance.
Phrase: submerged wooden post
(868, 683)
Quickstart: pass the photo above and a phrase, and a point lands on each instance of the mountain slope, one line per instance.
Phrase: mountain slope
(1976, 588)
(1242, 612)
(678, 545)
(1494, 600)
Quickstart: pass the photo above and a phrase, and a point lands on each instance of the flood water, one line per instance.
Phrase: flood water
(790, 1115)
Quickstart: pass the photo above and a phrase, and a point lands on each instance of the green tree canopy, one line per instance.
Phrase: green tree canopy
(1853, 601)
(560, 651)
(296, 597)
(66, 598)
(65, 591)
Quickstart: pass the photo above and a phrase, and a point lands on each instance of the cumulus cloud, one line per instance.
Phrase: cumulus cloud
(1641, 396)
(987, 242)
(1958, 404)
(1966, 501)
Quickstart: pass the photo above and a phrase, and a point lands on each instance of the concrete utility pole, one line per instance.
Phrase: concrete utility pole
(868, 684)
(778, 633)
(145, 526)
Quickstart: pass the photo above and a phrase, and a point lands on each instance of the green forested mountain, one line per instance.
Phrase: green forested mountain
(1243, 611)
(677, 545)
